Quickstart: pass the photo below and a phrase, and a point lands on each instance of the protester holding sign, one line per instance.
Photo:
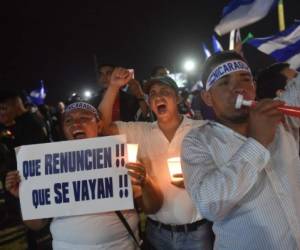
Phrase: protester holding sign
(92, 231)
(177, 224)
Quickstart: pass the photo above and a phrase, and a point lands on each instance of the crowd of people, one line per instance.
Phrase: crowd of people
(241, 168)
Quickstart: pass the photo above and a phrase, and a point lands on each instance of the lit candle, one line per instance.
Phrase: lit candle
(175, 168)
(132, 150)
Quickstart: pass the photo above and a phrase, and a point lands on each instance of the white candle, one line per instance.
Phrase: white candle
(175, 168)
(132, 150)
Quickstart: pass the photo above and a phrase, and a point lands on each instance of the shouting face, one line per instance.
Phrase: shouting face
(81, 124)
(163, 101)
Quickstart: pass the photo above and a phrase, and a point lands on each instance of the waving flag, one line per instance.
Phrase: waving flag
(216, 44)
(240, 13)
(38, 96)
(283, 46)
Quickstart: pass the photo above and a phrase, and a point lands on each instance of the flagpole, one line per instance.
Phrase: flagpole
(280, 9)
(231, 40)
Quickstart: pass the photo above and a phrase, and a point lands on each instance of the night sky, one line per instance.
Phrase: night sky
(58, 41)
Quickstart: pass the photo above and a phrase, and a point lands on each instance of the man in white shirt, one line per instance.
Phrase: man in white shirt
(177, 224)
(243, 171)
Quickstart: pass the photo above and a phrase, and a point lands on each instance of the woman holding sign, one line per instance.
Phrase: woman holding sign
(109, 230)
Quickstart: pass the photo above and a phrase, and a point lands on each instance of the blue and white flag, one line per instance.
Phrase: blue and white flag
(216, 44)
(206, 51)
(240, 13)
(38, 96)
(283, 46)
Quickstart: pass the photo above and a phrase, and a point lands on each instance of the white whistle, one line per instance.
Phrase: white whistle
(241, 102)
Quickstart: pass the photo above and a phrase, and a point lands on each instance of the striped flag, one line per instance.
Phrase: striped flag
(283, 46)
(240, 13)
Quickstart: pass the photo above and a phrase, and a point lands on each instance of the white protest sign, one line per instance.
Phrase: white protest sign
(74, 177)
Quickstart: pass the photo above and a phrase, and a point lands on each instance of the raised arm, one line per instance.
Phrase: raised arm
(119, 78)
(136, 89)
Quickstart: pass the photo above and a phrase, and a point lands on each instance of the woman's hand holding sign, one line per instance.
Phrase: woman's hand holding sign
(12, 182)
